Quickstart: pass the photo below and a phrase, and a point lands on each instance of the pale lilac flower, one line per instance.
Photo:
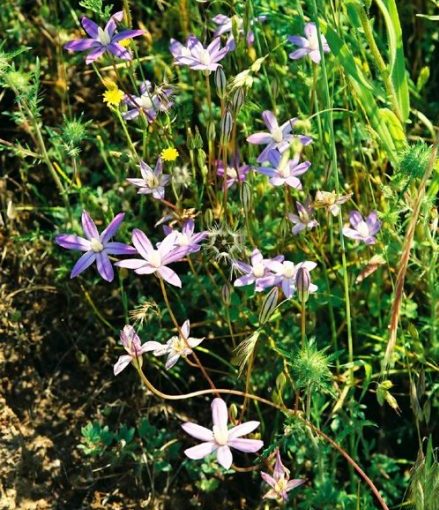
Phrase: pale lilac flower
(97, 246)
(254, 272)
(235, 172)
(106, 40)
(131, 342)
(304, 220)
(331, 201)
(279, 137)
(155, 260)
(283, 170)
(224, 26)
(150, 102)
(285, 274)
(280, 482)
(362, 229)
(153, 181)
(196, 56)
(187, 238)
(220, 438)
(178, 346)
(309, 45)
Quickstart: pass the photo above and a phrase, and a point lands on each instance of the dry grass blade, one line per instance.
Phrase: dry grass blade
(403, 263)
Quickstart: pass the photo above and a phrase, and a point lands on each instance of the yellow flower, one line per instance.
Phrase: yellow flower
(125, 42)
(113, 96)
(169, 154)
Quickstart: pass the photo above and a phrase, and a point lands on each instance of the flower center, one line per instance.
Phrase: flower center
(281, 485)
(183, 239)
(152, 181)
(288, 269)
(258, 270)
(146, 102)
(231, 172)
(284, 169)
(220, 435)
(204, 57)
(363, 229)
(179, 344)
(155, 259)
(103, 37)
(96, 245)
(277, 135)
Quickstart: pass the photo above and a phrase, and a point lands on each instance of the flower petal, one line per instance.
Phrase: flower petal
(119, 249)
(89, 226)
(104, 266)
(82, 45)
(186, 328)
(270, 120)
(131, 263)
(122, 363)
(95, 54)
(220, 415)
(171, 361)
(142, 244)
(268, 479)
(197, 431)
(83, 263)
(112, 228)
(127, 34)
(169, 275)
(72, 242)
(292, 484)
(90, 27)
(243, 429)
(224, 456)
(246, 445)
(200, 451)
(119, 51)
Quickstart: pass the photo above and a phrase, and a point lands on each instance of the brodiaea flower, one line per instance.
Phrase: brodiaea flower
(285, 274)
(252, 273)
(284, 170)
(131, 342)
(153, 181)
(280, 482)
(234, 172)
(305, 219)
(279, 137)
(196, 56)
(310, 45)
(220, 439)
(106, 40)
(177, 346)
(330, 201)
(155, 260)
(225, 24)
(187, 238)
(150, 102)
(97, 246)
(362, 230)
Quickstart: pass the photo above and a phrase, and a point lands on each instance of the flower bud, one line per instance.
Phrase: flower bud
(238, 100)
(303, 282)
(220, 82)
(211, 134)
(225, 294)
(226, 126)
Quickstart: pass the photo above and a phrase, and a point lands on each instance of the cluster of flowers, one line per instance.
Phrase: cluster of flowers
(274, 161)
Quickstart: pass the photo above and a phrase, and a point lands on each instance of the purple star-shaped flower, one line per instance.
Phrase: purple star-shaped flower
(285, 275)
(305, 219)
(150, 102)
(225, 24)
(131, 342)
(280, 482)
(362, 230)
(309, 45)
(254, 272)
(155, 260)
(278, 137)
(153, 181)
(220, 439)
(97, 246)
(283, 170)
(178, 346)
(196, 56)
(187, 238)
(233, 173)
(106, 40)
